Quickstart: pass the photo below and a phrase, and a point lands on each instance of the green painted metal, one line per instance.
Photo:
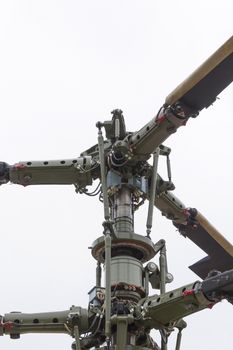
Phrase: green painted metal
(121, 314)
(126, 269)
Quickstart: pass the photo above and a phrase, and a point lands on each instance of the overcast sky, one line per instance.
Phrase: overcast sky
(64, 65)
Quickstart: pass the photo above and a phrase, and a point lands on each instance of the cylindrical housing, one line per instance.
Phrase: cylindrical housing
(126, 269)
(122, 210)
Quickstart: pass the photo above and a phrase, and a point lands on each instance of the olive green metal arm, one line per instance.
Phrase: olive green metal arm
(76, 171)
(145, 141)
(170, 206)
(161, 311)
(165, 310)
(16, 323)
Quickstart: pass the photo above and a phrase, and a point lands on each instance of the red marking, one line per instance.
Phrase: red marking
(19, 166)
(188, 292)
(210, 306)
(186, 212)
(160, 118)
(8, 326)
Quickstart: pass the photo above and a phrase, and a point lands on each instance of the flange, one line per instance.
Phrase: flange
(125, 243)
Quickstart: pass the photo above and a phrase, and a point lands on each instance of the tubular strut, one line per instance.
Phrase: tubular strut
(107, 231)
(163, 273)
(182, 324)
(76, 336)
(102, 169)
(152, 193)
(178, 340)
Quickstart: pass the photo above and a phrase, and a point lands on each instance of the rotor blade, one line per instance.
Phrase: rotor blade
(202, 87)
(188, 99)
(205, 236)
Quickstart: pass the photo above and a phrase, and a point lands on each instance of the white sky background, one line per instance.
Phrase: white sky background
(64, 65)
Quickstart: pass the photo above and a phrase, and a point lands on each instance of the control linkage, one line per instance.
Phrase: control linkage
(125, 158)
(121, 314)
(163, 311)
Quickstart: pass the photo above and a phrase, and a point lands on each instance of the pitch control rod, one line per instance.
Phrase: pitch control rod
(152, 192)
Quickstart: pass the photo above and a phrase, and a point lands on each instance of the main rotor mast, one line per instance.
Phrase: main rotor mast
(120, 312)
